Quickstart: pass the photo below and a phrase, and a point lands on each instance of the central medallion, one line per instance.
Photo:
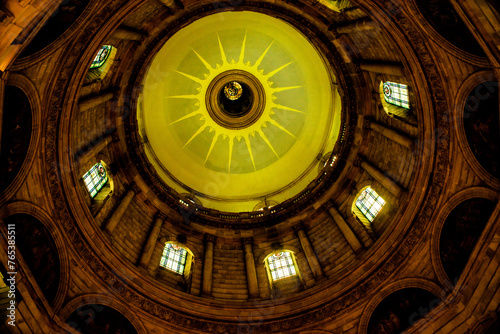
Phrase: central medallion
(235, 99)
(233, 91)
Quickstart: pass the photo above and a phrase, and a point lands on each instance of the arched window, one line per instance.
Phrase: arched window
(174, 258)
(396, 94)
(369, 203)
(101, 56)
(283, 273)
(101, 63)
(395, 100)
(281, 265)
(95, 179)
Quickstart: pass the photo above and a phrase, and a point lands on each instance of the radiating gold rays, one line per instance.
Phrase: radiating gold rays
(254, 129)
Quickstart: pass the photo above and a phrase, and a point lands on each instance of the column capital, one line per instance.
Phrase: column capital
(367, 122)
(298, 227)
(357, 67)
(133, 187)
(247, 241)
(161, 216)
(359, 160)
(328, 205)
(209, 238)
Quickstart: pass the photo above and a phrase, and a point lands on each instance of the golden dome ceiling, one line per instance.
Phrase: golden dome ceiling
(230, 159)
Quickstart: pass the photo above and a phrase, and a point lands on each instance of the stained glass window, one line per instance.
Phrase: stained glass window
(95, 179)
(101, 56)
(174, 258)
(281, 265)
(397, 94)
(369, 203)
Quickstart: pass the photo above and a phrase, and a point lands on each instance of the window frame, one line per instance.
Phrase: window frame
(291, 263)
(97, 62)
(399, 94)
(181, 262)
(93, 187)
(362, 207)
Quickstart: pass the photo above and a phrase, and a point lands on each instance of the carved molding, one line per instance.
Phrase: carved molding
(136, 300)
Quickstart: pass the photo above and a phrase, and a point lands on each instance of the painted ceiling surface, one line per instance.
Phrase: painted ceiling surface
(232, 169)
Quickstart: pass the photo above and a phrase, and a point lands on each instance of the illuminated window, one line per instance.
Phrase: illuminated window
(369, 203)
(281, 265)
(95, 179)
(101, 56)
(397, 94)
(174, 258)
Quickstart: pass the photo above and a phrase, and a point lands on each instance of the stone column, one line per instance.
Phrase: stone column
(172, 5)
(358, 25)
(208, 266)
(253, 285)
(308, 251)
(120, 211)
(390, 134)
(149, 247)
(381, 178)
(91, 102)
(383, 68)
(344, 228)
(92, 149)
(127, 34)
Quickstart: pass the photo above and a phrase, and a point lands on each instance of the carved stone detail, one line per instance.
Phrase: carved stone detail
(106, 275)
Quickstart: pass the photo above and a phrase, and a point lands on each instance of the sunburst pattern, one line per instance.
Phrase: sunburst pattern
(230, 163)
(220, 135)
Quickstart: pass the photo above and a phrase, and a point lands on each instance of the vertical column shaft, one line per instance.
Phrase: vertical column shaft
(390, 69)
(127, 34)
(381, 178)
(253, 286)
(208, 265)
(344, 228)
(309, 251)
(392, 135)
(149, 247)
(120, 211)
(93, 149)
(88, 103)
(357, 25)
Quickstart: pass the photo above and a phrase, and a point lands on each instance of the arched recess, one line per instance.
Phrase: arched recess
(394, 111)
(286, 285)
(58, 27)
(104, 193)
(399, 306)
(377, 226)
(38, 239)
(98, 71)
(448, 215)
(20, 136)
(477, 111)
(102, 314)
(178, 280)
(444, 25)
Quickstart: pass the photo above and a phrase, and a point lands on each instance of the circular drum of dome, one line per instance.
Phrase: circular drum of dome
(244, 98)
